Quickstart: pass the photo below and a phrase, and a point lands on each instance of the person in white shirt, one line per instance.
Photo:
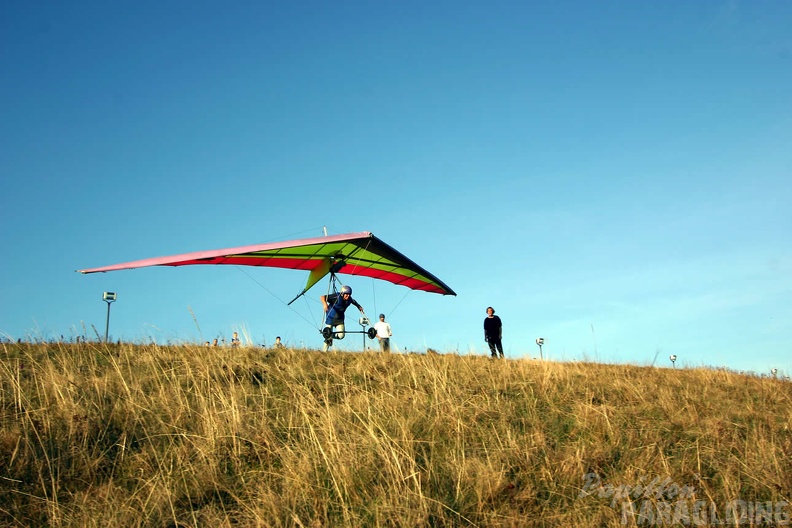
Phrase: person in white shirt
(383, 333)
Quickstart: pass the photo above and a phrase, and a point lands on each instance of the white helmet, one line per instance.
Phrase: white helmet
(346, 289)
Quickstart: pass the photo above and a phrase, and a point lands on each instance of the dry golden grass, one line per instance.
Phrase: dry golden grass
(142, 435)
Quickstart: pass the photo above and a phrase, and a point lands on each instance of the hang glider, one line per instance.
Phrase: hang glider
(360, 254)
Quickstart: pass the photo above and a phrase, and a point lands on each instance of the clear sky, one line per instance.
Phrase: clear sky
(612, 176)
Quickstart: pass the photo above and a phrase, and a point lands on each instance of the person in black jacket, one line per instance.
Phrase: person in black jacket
(493, 332)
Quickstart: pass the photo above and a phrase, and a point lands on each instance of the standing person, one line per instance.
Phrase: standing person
(335, 305)
(493, 332)
(235, 340)
(383, 333)
(278, 343)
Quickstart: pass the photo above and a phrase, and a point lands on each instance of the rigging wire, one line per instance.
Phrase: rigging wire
(374, 295)
(313, 324)
(392, 310)
(292, 235)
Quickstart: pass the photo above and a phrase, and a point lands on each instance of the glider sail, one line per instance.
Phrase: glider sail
(360, 254)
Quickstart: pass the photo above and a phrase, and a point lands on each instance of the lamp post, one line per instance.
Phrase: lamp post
(364, 321)
(540, 342)
(672, 357)
(108, 297)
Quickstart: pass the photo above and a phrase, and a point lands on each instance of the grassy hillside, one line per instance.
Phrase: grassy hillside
(131, 435)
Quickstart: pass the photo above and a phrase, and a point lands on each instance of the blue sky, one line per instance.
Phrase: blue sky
(611, 176)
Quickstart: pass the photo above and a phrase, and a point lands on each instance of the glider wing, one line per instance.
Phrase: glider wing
(360, 254)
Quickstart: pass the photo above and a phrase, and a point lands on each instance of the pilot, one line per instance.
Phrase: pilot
(335, 305)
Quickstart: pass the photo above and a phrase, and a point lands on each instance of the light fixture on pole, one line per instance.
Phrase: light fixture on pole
(364, 321)
(108, 297)
(540, 342)
(672, 357)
